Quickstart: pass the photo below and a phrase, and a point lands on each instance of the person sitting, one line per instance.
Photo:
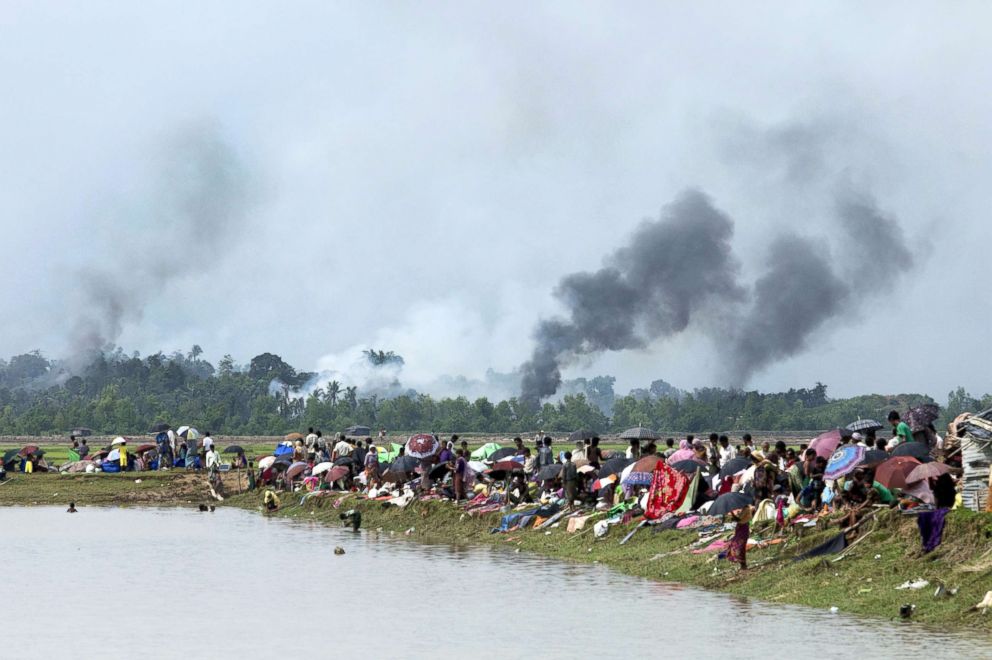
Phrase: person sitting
(72, 508)
(270, 501)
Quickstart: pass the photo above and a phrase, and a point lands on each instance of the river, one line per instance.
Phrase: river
(169, 583)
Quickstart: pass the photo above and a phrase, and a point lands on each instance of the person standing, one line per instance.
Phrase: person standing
(727, 451)
(461, 466)
(900, 429)
(84, 449)
(544, 455)
(371, 465)
(122, 456)
(311, 440)
(570, 479)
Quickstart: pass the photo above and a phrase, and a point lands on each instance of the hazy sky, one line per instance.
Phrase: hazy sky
(421, 175)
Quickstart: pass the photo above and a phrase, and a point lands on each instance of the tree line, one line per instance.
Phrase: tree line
(127, 394)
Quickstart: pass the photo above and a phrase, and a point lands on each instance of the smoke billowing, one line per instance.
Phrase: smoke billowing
(680, 273)
(196, 205)
(668, 271)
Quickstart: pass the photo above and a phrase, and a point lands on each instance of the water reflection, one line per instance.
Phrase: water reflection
(222, 580)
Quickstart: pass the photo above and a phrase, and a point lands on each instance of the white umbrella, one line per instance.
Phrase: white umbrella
(321, 468)
(118, 440)
(477, 466)
(266, 463)
(115, 455)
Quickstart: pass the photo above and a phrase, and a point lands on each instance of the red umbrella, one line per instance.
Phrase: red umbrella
(893, 473)
(28, 449)
(295, 469)
(826, 444)
(336, 473)
(925, 471)
(507, 465)
(145, 447)
(422, 445)
(646, 464)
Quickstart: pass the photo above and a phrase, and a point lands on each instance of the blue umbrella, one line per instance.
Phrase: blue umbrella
(844, 460)
(282, 450)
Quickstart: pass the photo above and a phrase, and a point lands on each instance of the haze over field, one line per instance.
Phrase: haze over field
(453, 182)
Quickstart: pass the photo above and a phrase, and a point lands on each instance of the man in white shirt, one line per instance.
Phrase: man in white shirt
(208, 442)
(311, 440)
(342, 449)
(213, 459)
(727, 451)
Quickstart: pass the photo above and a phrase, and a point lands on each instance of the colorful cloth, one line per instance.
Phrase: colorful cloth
(931, 525)
(668, 491)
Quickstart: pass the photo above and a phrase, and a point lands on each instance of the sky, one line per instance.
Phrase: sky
(419, 177)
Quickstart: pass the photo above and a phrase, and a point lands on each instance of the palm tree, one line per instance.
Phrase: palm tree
(333, 390)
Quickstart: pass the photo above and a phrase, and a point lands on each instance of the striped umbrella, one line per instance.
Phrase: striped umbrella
(639, 433)
(843, 461)
(864, 425)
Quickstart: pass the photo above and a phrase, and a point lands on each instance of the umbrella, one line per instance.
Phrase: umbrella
(404, 464)
(145, 447)
(603, 482)
(234, 449)
(614, 466)
(283, 450)
(115, 455)
(321, 468)
(439, 470)
(826, 444)
(549, 472)
(920, 417)
(485, 451)
(508, 465)
(732, 467)
(358, 431)
(874, 457)
(585, 469)
(296, 468)
(843, 461)
(505, 452)
(292, 437)
(639, 433)
(893, 472)
(477, 466)
(28, 450)
(688, 467)
(160, 427)
(729, 502)
(583, 435)
(422, 445)
(337, 472)
(345, 460)
(266, 463)
(864, 425)
(925, 471)
(917, 450)
(9, 455)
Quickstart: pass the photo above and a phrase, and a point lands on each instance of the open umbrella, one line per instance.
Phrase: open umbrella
(585, 469)
(504, 452)
(144, 447)
(321, 468)
(439, 470)
(234, 449)
(160, 427)
(358, 431)
(422, 445)
(843, 461)
(187, 432)
(346, 460)
(603, 482)
(337, 472)
(926, 471)
(293, 437)
(917, 450)
(826, 444)
(507, 465)
(689, 467)
(114, 456)
(549, 472)
(404, 464)
(266, 463)
(477, 466)
(728, 503)
(28, 450)
(485, 451)
(9, 455)
(582, 435)
(864, 425)
(285, 461)
(614, 466)
(874, 457)
(920, 417)
(283, 450)
(893, 472)
(733, 466)
(295, 469)
(639, 433)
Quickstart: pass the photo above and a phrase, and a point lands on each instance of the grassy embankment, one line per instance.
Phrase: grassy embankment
(862, 582)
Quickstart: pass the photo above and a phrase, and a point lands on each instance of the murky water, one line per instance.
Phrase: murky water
(169, 583)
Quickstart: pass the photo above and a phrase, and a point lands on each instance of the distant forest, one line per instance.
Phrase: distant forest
(122, 393)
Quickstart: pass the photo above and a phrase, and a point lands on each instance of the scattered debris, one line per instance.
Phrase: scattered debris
(918, 583)
(338, 550)
(985, 604)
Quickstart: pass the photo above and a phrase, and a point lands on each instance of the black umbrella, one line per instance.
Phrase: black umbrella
(439, 470)
(282, 463)
(402, 464)
(917, 450)
(639, 433)
(874, 457)
(729, 502)
(505, 452)
(160, 427)
(234, 449)
(583, 435)
(614, 466)
(9, 455)
(687, 467)
(864, 425)
(735, 465)
(549, 472)
(345, 460)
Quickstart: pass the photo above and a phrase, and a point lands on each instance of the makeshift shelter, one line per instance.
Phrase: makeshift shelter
(358, 431)
(485, 451)
(974, 432)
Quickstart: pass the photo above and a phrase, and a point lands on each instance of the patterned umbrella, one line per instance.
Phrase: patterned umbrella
(919, 417)
(826, 444)
(422, 445)
(926, 471)
(864, 425)
(639, 433)
(893, 472)
(843, 461)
